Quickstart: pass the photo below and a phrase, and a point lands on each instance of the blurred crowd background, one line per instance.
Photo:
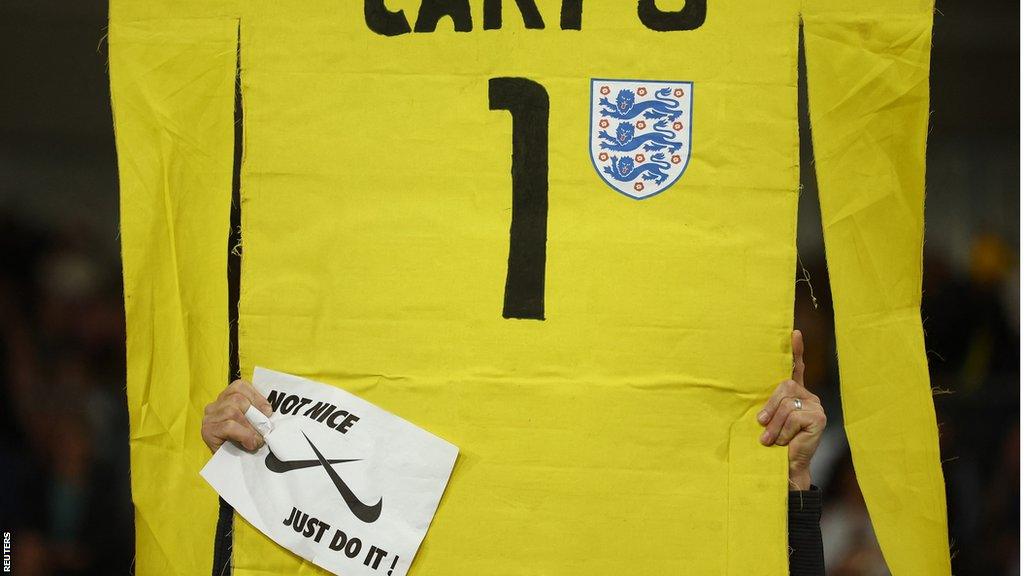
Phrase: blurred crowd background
(64, 474)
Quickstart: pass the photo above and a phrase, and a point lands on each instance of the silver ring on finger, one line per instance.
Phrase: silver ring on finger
(798, 404)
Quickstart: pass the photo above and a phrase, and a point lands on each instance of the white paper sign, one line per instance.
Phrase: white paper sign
(340, 482)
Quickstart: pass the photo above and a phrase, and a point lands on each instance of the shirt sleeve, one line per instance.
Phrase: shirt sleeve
(172, 74)
(806, 554)
(867, 80)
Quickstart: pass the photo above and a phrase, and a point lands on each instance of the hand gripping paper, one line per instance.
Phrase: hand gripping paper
(339, 482)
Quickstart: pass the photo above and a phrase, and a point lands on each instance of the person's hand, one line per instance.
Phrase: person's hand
(224, 418)
(794, 417)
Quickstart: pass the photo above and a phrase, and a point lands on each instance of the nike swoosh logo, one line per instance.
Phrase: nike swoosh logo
(275, 464)
(364, 512)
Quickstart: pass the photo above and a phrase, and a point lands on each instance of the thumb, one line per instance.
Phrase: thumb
(798, 357)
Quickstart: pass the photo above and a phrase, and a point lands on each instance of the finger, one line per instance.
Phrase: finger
(799, 422)
(233, 401)
(247, 390)
(779, 416)
(244, 436)
(785, 389)
(798, 357)
(808, 403)
(215, 434)
(805, 443)
(234, 411)
(231, 407)
(228, 411)
(212, 441)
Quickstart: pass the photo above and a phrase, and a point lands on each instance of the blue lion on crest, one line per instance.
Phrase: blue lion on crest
(627, 108)
(624, 170)
(625, 139)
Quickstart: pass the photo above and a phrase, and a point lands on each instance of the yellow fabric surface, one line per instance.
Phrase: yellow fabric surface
(868, 97)
(617, 436)
(172, 85)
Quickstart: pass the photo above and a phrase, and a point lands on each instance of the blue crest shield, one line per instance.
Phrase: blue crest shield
(640, 133)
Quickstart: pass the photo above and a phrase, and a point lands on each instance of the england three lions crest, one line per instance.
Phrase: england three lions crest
(640, 133)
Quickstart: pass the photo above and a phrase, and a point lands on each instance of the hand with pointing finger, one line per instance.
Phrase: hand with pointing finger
(225, 420)
(794, 417)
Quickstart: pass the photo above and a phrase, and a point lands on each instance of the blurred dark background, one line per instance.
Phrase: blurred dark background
(64, 455)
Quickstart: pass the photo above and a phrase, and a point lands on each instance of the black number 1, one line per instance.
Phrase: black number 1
(528, 103)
